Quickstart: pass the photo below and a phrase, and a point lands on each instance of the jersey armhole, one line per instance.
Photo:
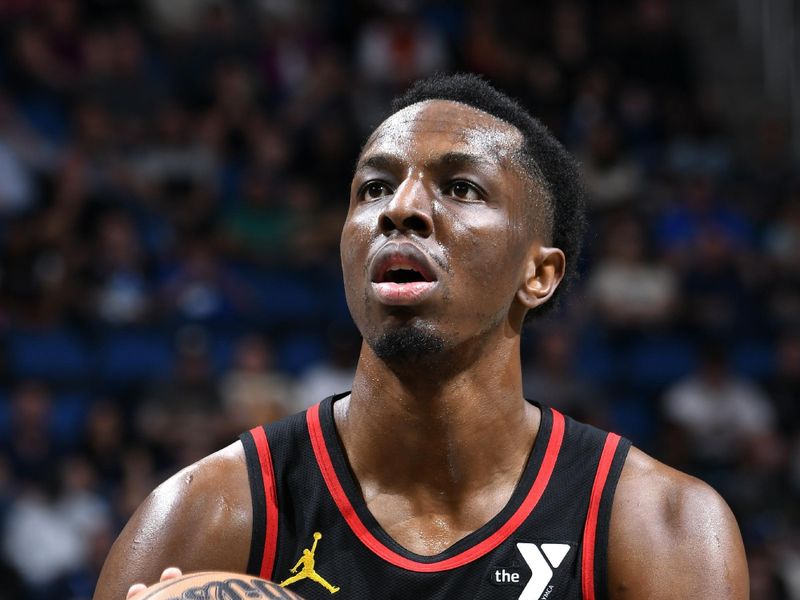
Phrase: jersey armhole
(264, 540)
(594, 581)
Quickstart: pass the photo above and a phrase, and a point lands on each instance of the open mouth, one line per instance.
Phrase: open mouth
(401, 275)
(405, 264)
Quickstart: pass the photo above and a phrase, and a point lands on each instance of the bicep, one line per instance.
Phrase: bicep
(672, 536)
(199, 519)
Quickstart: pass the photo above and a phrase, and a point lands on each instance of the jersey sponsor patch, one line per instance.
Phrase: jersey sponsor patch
(542, 560)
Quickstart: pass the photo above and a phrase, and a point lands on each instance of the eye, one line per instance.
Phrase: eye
(372, 190)
(464, 190)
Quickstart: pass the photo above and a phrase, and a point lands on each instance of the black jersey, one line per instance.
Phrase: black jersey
(313, 533)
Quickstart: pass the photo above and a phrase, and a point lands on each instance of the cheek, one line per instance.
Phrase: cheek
(486, 246)
(356, 239)
(354, 243)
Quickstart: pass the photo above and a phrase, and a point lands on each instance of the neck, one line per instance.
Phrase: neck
(444, 433)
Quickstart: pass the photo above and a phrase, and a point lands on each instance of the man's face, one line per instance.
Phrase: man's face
(435, 241)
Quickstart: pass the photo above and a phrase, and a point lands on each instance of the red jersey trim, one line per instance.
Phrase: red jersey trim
(463, 558)
(271, 501)
(590, 527)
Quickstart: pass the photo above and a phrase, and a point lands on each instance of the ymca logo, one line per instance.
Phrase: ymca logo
(542, 560)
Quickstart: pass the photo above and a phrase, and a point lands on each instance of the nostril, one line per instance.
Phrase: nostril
(415, 223)
(386, 223)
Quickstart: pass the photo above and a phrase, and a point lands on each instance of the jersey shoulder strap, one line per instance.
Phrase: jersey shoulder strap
(608, 452)
(260, 447)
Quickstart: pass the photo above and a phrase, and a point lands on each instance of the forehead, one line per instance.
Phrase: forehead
(438, 126)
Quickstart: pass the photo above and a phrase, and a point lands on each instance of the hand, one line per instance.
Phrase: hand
(293, 570)
(137, 588)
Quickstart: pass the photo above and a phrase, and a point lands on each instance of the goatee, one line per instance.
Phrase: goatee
(407, 344)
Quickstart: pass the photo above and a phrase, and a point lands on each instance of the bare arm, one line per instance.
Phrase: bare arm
(198, 520)
(232, 586)
(672, 537)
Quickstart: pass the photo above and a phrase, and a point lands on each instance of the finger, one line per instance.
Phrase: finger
(135, 589)
(171, 573)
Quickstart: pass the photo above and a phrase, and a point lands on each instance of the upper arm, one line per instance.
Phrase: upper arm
(672, 536)
(199, 519)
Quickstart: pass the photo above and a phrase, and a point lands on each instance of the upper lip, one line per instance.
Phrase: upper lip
(401, 256)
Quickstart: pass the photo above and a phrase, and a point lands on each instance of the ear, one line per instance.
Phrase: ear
(544, 270)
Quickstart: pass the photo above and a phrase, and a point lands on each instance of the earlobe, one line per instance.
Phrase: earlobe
(543, 272)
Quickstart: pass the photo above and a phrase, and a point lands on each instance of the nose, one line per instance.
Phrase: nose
(409, 210)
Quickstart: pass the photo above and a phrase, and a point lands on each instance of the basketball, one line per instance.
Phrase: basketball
(211, 585)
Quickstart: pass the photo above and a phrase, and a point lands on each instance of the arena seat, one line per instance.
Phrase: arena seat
(754, 358)
(68, 416)
(130, 355)
(50, 354)
(659, 360)
(298, 352)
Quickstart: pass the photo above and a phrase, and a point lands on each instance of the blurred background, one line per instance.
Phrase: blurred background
(174, 175)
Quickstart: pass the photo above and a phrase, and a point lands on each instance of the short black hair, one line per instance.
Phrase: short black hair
(547, 161)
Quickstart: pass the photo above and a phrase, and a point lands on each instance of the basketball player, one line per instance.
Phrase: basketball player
(434, 478)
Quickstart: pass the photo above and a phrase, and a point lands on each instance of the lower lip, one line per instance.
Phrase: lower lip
(396, 294)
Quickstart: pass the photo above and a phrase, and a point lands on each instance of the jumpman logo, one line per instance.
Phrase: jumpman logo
(307, 572)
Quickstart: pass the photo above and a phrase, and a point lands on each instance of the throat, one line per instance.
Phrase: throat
(431, 478)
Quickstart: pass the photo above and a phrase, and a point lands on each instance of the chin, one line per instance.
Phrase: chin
(407, 343)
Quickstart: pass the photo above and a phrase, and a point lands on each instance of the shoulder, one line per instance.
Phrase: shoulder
(672, 536)
(207, 500)
(198, 519)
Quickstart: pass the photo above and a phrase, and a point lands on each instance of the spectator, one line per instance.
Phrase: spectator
(682, 227)
(612, 178)
(177, 154)
(178, 418)
(200, 288)
(783, 252)
(104, 441)
(49, 525)
(628, 290)
(335, 373)
(550, 377)
(29, 447)
(784, 384)
(120, 279)
(252, 390)
(399, 47)
(714, 290)
(720, 416)
(16, 184)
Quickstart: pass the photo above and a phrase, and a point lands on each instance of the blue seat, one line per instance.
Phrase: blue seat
(283, 298)
(5, 414)
(297, 353)
(636, 418)
(658, 361)
(222, 349)
(594, 359)
(754, 359)
(136, 355)
(56, 354)
(69, 416)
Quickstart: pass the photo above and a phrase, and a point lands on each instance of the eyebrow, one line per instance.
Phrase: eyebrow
(380, 162)
(390, 162)
(460, 159)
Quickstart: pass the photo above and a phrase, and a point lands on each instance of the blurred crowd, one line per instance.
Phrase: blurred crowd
(173, 178)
